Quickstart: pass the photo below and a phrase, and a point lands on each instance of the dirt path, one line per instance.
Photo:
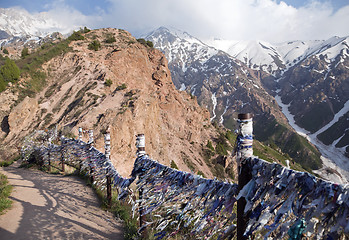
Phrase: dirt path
(47, 206)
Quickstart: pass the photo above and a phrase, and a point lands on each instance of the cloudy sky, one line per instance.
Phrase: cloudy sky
(269, 20)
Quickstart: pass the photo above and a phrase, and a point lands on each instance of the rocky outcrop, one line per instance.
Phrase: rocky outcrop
(141, 99)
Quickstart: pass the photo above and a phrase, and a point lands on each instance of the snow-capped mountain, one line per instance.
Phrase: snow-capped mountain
(19, 29)
(231, 76)
(176, 46)
(317, 93)
(226, 86)
(20, 23)
(279, 57)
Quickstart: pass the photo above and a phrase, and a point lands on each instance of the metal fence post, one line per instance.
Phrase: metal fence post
(244, 151)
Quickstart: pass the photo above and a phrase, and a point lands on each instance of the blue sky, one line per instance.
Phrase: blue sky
(269, 20)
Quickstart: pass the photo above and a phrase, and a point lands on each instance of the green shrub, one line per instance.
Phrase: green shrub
(209, 145)
(121, 87)
(4, 193)
(85, 30)
(231, 136)
(221, 150)
(173, 165)
(108, 82)
(150, 44)
(145, 43)
(110, 39)
(76, 36)
(5, 51)
(25, 52)
(9, 162)
(94, 45)
(9, 71)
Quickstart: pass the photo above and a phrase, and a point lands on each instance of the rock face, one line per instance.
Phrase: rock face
(141, 99)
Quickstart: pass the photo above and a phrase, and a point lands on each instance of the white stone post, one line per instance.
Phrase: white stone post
(80, 133)
(140, 144)
(90, 137)
(107, 144)
(245, 137)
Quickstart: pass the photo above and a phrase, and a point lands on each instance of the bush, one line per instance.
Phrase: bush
(9, 71)
(85, 30)
(76, 36)
(5, 51)
(209, 145)
(110, 39)
(108, 82)
(145, 43)
(4, 193)
(221, 150)
(94, 45)
(121, 87)
(150, 44)
(173, 165)
(25, 52)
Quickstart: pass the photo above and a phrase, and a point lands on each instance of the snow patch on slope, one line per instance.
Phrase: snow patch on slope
(214, 102)
(331, 156)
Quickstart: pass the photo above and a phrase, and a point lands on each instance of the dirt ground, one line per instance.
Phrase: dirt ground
(47, 206)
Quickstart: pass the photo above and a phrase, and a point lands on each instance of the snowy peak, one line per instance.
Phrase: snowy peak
(19, 23)
(334, 47)
(258, 55)
(180, 48)
(173, 34)
(279, 57)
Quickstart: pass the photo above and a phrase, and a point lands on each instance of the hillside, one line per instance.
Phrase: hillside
(124, 85)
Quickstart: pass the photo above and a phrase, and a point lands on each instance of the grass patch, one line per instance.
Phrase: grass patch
(9, 162)
(30, 67)
(5, 192)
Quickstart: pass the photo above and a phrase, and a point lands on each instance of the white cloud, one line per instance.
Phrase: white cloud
(229, 19)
